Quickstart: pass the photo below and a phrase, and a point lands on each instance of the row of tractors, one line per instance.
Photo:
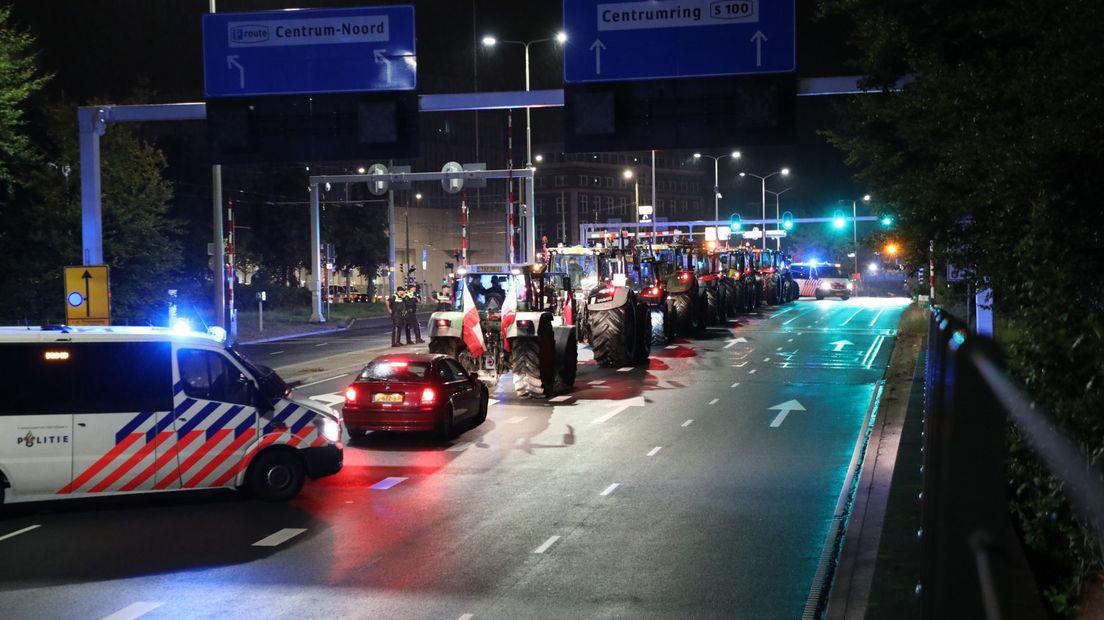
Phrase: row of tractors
(620, 301)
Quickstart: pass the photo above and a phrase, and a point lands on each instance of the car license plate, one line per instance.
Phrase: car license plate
(387, 398)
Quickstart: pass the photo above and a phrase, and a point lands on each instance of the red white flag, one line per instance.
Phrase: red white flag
(568, 314)
(509, 312)
(473, 333)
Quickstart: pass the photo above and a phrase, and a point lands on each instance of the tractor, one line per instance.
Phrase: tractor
(618, 318)
(543, 351)
(684, 304)
(580, 265)
(735, 265)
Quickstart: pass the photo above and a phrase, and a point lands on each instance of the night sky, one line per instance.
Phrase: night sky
(104, 51)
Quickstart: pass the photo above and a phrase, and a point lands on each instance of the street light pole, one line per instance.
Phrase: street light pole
(778, 215)
(763, 196)
(717, 180)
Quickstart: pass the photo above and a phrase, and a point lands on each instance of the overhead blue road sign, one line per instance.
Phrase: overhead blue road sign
(309, 51)
(660, 39)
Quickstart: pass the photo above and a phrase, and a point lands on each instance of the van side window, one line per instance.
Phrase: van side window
(88, 377)
(208, 375)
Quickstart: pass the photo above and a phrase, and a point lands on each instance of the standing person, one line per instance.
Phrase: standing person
(395, 304)
(410, 308)
(444, 299)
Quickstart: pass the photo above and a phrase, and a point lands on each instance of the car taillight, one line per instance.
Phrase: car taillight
(428, 396)
(606, 291)
(654, 291)
(525, 324)
(350, 395)
(444, 323)
(684, 277)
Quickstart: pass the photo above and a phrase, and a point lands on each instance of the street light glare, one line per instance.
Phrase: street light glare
(785, 172)
(561, 37)
(697, 155)
(735, 154)
(628, 174)
(538, 158)
(743, 174)
(489, 41)
(866, 198)
(360, 170)
(418, 196)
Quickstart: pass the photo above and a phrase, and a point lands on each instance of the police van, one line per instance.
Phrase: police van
(89, 411)
(820, 280)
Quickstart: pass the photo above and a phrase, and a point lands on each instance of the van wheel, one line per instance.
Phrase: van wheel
(276, 475)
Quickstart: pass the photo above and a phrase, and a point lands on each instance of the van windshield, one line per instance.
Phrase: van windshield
(271, 384)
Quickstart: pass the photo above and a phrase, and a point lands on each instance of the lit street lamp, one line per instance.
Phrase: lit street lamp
(763, 180)
(855, 229)
(716, 181)
(628, 174)
(777, 215)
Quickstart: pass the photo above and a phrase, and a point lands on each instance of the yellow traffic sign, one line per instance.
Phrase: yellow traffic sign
(87, 300)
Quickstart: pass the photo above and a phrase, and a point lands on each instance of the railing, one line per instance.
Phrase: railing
(973, 565)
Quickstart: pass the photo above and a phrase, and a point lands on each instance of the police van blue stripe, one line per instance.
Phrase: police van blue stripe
(196, 418)
(129, 427)
(177, 387)
(302, 421)
(280, 417)
(247, 424)
(223, 421)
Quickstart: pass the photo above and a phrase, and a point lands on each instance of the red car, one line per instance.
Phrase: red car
(414, 392)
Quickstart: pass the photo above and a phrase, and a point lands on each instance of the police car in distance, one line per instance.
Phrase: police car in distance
(820, 280)
(89, 411)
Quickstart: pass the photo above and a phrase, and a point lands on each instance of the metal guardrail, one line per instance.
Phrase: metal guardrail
(973, 565)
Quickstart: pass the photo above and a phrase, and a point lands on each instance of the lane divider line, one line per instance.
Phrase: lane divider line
(135, 610)
(737, 384)
(492, 401)
(857, 313)
(466, 617)
(279, 538)
(560, 399)
(22, 531)
(655, 451)
(322, 344)
(671, 347)
(276, 352)
(610, 488)
(546, 545)
(307, 385)
(516, 419)
(625, 369)
(598, 382)
(875, 320)
(714, 401)
(752, 371)
(687, 423)
(608, 416)
(387, 483)
(766, 359)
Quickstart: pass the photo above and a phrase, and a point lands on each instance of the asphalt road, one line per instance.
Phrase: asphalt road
(700, 486)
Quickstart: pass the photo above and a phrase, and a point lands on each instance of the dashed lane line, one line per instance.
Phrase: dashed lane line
(546, 545)
(22, 531)
(687, 423)
(876, 316)
(322, 344)
(753, 371)
(560, 399)
(654, 451)
(857, 313)
(466, 617)
(610, 488)
(387, 483)
(625, 369)
(671, 347)
(737, 384)
(714, 401)
(598, 382)
(276, 352)
(279, 538)
(516, 420)
(135, 610)
(307, 385)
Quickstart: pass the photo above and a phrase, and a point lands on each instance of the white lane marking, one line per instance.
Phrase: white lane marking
(559, 399)
(276, 352)
(491, 402)
(790, 340)
(135, 610)
(737, 384)
(873, 353)
(598, 382)
(671, 346)
(329, 399)
(778, 349)
(875, 319)
(466, 617)
(714, 401)
(740, 365)
(857, 313)
(307, 385)
(783, 410)
(280, 537)
(322, 344)
(546, 544)
(516, 419)
(610, 488)
(779, 418)
(687, 423)
(387, 483)
(599, 387)
(625, 369)
(655, 451)
(22, 531)
(752, 371)
(460, 447)
(766, 359)
(608, 416)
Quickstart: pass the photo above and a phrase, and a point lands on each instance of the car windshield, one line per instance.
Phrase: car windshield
(407, 372)
(799, 271)
(830, 271)
(488, 290)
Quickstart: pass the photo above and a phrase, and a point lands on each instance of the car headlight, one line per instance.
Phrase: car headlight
(850, 286)
(331, 430)
(824, 286)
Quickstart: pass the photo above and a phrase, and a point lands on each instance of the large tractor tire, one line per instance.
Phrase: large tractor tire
(456, 349)
(643, 333)
(682, 306)
(567, 357)
(613, 336)
(663, 328)
(533, 362)
(729, 298)
(712, 306)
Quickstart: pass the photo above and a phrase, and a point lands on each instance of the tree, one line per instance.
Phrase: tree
(993, 151)
(19, 81)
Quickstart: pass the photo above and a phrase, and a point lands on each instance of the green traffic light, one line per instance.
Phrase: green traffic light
(735, 223)
(887, 221)
(787, 220)
(838, 221)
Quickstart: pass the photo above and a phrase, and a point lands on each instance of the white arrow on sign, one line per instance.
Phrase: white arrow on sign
(732, 341)
(758, 39)
(380, 58)
(597, 48)
(840, 344)
(784, 410)
(232, 63)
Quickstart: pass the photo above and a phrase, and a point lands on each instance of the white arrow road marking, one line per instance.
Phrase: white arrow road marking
(740, 365)
(733, 341)
(18, 532)
(784, 410)
(280, 537)
(546, 544)
(135, 610)
(618, 407)
(610, 488)
(232, 63)
(387, 483)
(597, 48)
(380, 58)
(840, 344)
(329, 399)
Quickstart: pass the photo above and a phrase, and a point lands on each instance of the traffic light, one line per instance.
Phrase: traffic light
(887, 220)
(787, 220)
(735, 224)
(838, 220)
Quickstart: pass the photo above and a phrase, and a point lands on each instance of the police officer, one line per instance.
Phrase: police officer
(444, 299)
(395, 304)
(410, 316)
